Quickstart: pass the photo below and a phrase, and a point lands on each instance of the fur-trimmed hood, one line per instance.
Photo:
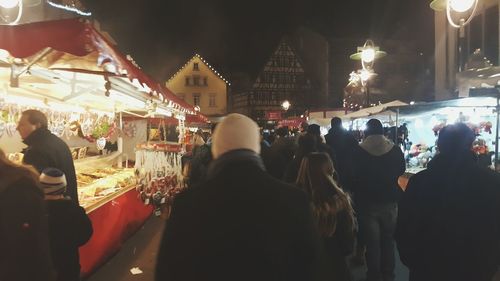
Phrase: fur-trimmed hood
(377, 145)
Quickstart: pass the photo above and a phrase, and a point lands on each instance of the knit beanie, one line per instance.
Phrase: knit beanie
(236, 131)
(53, 181)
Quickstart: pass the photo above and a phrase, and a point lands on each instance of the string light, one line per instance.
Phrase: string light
(70, 9)
(205, 62)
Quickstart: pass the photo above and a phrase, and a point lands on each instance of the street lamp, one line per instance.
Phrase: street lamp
(286, 105)
(465, 11)
(368, 54)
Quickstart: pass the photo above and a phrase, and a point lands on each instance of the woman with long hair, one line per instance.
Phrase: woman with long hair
(332, 210)
(307, 144)
(24, 242)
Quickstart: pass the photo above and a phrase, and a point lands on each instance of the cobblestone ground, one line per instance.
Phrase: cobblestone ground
(141, 250)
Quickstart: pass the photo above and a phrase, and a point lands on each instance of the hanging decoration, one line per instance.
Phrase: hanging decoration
(101, 143)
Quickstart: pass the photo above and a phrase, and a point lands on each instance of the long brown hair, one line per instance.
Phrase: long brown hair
(10, 172)
(316, 179)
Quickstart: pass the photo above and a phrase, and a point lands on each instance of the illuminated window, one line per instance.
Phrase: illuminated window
(196, 99)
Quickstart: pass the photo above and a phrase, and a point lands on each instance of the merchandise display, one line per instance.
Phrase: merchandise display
(102, 184)
(159, 169)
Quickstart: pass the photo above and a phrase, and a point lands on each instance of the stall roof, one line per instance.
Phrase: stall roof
(461, 102)
(75, 45)
(375, 110)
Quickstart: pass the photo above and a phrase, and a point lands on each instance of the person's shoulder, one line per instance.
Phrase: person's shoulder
(285, 190)
(486, 175)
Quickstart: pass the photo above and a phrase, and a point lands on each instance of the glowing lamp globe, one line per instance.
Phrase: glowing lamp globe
(461, 6)
(365, 75)
(368, 55)
(286, 105)
(9, 4)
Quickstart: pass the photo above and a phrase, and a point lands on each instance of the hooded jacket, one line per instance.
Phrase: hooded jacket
(377, 168)
(45, 150)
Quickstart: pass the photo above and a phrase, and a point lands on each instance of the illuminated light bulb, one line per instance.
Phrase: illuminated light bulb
(9, 4)
(368, 55)
(365, 75)
(461, 6)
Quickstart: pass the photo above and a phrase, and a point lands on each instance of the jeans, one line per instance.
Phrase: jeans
(377, 224)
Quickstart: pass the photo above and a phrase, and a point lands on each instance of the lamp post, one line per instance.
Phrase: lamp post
(459, 13)
(367, 54)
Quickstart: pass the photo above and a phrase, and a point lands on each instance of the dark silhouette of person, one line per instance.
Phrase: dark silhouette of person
(449, 216)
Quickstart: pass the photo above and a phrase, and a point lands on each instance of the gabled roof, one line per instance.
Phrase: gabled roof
(206, 63)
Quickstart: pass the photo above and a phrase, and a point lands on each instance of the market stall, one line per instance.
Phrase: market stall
(77, 77)
(424, 122)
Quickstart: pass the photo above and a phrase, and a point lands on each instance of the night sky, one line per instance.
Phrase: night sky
(239, 36)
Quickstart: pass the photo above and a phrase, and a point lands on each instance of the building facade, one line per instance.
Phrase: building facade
(480, 39)
(283, 78)
(199, 84)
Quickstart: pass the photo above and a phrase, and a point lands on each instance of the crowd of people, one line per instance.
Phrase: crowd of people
(297, 207)
(246, 219)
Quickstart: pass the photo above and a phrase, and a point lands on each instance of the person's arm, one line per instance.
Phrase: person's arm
(82, 227)
(310, 259)
(406, 229)
(38, 159)
(173, 259)
(24, 232)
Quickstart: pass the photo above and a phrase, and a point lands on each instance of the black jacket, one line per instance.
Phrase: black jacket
(279, 156)
(341, 245)
(343, 145)
(242, 224)
(449, 221)
(24, 241)
(378, 166)
(45, 150)
(69, 228)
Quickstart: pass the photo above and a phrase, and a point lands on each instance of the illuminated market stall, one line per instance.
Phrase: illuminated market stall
(77, 77)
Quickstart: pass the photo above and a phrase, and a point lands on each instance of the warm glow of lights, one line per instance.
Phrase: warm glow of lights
(9, 4)
(365, 75)
(4, 54)
(164, 112)
(461, 6)
(286, 105)
(368, 55)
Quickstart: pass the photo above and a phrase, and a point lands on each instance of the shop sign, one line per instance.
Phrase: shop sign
(273, 115)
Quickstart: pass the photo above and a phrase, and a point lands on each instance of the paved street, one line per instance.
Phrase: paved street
(141, 250)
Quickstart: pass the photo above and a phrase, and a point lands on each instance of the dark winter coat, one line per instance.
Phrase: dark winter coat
(46, 150)
(202, 156)
(242, 224)
(341, 245)
(449, 221)
(378, 166)
(24, 241)
(69, 228)
(343, 145)
(279, 156)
